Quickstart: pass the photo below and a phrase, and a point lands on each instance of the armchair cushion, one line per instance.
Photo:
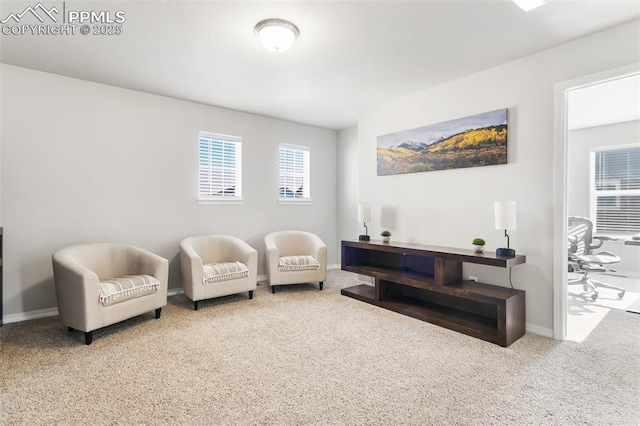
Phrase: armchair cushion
(215, 272)
(298, 263)
(118, 290)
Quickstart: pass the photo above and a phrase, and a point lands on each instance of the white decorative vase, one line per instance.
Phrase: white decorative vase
(479, 249)
(385, 239)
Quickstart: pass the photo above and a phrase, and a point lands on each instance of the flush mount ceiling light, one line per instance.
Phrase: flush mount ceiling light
(277, 35)
(528, 5)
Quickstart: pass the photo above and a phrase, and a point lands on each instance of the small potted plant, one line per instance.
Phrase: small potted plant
(385, 236)
(479, 245)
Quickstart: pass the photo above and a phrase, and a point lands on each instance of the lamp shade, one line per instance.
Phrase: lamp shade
(505, 212)
(364, 213)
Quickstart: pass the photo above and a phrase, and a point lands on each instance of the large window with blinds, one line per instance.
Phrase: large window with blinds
(294, 174)
(220, 168)
(615, 189)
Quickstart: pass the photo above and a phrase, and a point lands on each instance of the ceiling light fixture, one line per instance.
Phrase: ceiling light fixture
(528, 5)
(277, 35)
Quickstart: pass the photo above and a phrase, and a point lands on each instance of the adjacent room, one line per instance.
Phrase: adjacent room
(603, 168)
(320, 212)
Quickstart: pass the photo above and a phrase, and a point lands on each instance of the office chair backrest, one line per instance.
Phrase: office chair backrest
(580, 235)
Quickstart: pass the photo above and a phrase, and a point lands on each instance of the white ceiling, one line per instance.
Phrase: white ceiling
(350, 54)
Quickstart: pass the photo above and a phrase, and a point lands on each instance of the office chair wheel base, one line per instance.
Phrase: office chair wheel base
(621, 294)
(594, 296)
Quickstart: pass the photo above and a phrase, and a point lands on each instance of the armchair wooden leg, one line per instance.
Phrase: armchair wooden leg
(321, 284)
(195, 305)
(250, 294)
(88, 337)
(158, 312)
(273, 289)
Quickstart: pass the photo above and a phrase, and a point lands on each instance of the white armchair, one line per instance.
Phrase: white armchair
(101, 284)
(217, 265)
(295, 257)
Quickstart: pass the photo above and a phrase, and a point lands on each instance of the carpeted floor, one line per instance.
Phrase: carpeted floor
(304, 356)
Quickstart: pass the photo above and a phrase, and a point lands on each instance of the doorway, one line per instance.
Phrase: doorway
(563, 92)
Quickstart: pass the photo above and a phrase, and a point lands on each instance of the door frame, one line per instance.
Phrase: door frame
(560, 265)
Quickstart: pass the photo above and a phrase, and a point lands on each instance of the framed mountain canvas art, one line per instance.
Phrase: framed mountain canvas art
(477, 140)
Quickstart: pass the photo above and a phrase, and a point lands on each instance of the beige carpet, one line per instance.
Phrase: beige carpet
(304, 356)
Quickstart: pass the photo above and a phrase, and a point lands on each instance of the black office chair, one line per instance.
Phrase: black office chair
(583, 260)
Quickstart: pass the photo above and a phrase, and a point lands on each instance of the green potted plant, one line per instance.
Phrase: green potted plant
(385, 236)
(479, 245)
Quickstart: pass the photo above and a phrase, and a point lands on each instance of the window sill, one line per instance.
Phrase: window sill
(222, 201)
(294, 202)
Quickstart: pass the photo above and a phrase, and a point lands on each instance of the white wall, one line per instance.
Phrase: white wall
(348, 227)
(450, 208)
(610, 102)
(580, 144)
(84, 162)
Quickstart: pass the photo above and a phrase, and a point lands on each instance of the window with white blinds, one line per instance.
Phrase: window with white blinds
(294, 176)
(220, 168)
(615, 189)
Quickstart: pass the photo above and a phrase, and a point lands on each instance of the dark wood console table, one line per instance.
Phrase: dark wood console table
(425, 282)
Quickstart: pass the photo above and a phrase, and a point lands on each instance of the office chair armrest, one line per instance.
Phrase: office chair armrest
(605, 238)
(599, 239)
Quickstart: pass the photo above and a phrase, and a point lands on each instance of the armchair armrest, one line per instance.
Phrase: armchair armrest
(74, 277)
(191, 264)
(77, 290)
(249, 257)
(243, 251)
(273, 255)
(320, 249)
(152, 264)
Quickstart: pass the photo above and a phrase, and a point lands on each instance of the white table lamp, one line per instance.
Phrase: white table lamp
(505, 212)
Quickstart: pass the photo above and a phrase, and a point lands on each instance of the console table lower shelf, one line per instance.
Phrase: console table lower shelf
(491, 313)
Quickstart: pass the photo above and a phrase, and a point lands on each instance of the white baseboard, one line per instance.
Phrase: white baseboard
(540, 331)
(175, 291)
(25, 316)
